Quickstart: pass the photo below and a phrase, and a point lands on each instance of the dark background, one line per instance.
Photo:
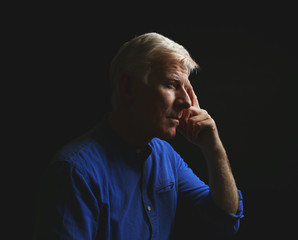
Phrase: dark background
(247, 82)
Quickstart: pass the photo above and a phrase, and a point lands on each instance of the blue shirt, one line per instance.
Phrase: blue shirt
(99, 187)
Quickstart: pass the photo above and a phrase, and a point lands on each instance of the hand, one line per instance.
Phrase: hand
(198, 126)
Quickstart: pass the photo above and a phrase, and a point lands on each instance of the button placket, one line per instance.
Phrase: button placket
(148, 205)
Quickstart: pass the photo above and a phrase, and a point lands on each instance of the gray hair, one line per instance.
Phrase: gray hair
(138, 56)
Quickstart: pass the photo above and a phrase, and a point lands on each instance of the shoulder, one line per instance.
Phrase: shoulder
(161, 146)
(81, 155)
(164, 149)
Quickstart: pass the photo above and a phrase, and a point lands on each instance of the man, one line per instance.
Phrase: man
(120, 180)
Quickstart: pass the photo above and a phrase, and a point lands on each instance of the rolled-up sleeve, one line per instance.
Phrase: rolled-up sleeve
(197, 194)
(221, 222)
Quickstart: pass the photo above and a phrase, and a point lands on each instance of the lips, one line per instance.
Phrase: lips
(177, 117)
(174, 118)
(174, 121)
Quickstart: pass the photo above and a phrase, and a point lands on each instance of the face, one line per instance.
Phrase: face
(159, 104)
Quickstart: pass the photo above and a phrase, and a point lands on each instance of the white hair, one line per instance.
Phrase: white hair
(139, 55)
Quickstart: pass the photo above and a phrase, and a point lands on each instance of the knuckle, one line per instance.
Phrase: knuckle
(204, 112)
(198, 124)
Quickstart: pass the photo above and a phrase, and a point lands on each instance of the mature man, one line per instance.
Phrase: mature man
(121, 180)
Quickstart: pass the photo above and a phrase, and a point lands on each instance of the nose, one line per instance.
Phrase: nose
(183, 100)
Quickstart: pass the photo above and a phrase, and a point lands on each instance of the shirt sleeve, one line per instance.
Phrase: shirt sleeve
(66, 207)
(195, 193)
(221, 223)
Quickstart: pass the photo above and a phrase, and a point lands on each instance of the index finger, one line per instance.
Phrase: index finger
(193, 97)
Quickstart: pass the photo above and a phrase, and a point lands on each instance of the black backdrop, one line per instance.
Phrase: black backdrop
(246, 82)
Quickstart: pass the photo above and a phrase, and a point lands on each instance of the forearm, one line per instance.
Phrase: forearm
(221, 181)
(199, 128)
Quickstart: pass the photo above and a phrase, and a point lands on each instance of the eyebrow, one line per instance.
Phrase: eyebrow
(174, 79)
(187, 85)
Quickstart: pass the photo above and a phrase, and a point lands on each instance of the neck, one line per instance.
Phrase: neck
(122, 123)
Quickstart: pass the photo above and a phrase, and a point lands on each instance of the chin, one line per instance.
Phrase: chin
(169, 134)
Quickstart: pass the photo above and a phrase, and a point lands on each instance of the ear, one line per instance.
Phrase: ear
(125, 88)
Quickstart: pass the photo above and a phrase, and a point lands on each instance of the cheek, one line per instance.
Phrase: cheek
(161, 108)
(144, 105)
(155, 104)
(166, 101)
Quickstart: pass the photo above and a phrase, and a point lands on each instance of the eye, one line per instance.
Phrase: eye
(172, 84)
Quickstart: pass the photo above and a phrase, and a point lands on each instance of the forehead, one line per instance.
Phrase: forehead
(174, 71)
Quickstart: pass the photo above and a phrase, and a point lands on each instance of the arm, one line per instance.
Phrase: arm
(221, 181)
(199, 128)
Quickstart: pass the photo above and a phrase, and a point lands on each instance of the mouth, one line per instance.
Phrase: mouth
(176, 117)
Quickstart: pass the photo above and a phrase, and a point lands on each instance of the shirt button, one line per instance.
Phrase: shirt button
(138, 150)
(149, 208)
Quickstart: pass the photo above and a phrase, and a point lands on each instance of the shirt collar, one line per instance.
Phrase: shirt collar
(106, 136)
